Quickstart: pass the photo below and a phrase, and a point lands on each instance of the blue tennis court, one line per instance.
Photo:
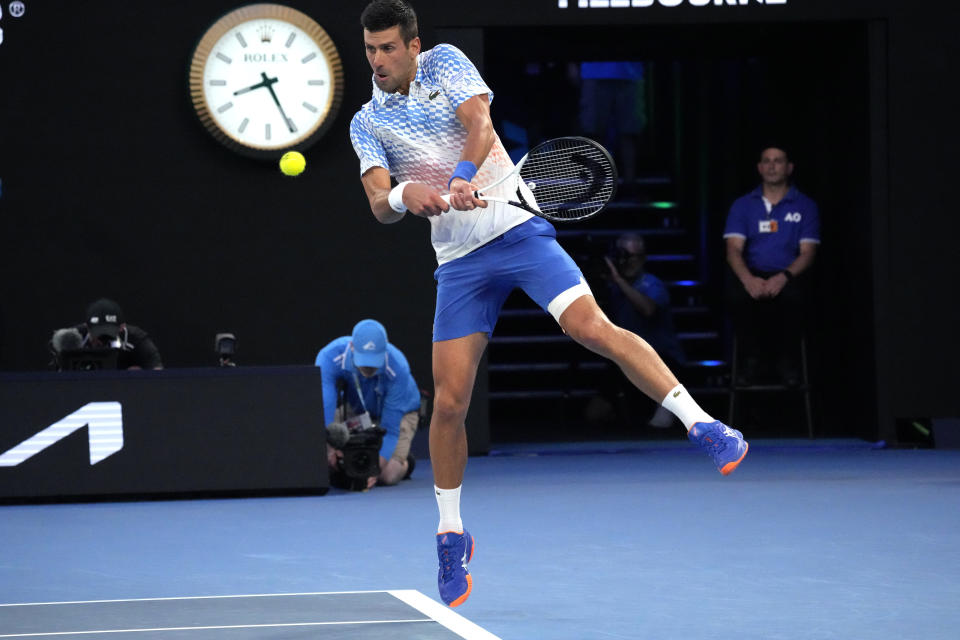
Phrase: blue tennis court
(808, 539)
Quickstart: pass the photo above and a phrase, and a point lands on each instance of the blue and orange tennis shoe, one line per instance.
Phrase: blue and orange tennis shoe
(454, 550)
(725, 445)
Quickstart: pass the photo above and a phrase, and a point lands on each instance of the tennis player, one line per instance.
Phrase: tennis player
(428, 125)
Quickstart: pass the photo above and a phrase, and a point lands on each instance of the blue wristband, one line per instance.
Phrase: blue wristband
(465, 171)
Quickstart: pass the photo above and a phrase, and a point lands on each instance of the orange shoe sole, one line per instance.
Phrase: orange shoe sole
(730, 466)
(459, 601)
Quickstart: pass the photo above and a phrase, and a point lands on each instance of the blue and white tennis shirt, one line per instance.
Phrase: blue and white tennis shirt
(417, 137)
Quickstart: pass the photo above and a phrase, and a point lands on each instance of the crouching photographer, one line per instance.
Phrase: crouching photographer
(104, 340)
(371, 408)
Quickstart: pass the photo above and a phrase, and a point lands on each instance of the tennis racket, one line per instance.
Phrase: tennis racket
(562, 179)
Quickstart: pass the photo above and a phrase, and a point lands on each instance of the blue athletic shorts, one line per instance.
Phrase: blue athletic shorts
(471, 289)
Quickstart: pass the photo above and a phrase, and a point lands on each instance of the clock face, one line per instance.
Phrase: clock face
(265, 79)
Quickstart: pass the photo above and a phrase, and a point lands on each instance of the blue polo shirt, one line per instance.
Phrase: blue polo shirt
(773, 237)
(387, 395)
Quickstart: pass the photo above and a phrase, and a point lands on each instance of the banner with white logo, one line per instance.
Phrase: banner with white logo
(145, 433)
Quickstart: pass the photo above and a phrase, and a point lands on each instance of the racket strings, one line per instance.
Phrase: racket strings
(569, 179)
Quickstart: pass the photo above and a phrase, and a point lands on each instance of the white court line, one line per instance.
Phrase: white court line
(250, 595)
(226, 626)
(443, 615)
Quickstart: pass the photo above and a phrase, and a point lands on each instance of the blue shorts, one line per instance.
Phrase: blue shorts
(471, 290)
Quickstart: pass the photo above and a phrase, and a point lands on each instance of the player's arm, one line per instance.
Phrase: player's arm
(474, 114)
(420, 199)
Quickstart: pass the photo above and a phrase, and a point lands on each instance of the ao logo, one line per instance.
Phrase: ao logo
(104, 422)
(792, 217)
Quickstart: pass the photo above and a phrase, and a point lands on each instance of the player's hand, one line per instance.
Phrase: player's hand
(461, 196)
(423, 200)
(756, 287)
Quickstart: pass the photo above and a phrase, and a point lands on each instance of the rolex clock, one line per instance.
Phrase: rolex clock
(266, 78)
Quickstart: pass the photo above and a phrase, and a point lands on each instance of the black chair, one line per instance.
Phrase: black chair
(803, 388)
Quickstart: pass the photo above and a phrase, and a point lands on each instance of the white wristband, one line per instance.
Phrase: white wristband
(396, 197)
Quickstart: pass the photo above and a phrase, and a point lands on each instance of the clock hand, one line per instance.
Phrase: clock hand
(262, 83)
(268, 83)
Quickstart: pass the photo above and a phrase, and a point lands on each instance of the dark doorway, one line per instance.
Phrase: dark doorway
(709, 98)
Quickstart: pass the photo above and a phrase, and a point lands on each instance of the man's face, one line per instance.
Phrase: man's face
(368, 372)
(394, 64)
(631, 254)
(774, 167)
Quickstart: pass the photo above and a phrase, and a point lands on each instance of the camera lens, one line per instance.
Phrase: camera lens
(362, 460)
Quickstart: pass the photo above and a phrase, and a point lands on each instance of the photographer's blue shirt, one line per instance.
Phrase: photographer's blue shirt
(387, 395)
(773, 233)
(657, 329)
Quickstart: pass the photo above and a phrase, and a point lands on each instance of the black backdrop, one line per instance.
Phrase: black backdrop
(112, 187)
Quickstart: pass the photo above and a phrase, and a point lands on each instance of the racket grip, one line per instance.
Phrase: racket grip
(446, 197)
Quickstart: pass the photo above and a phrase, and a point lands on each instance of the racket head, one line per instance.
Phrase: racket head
(567, 179)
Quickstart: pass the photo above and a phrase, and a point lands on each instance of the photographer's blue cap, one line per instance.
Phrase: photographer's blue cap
(369, 344)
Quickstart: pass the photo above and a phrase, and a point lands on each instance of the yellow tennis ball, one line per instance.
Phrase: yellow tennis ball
(293, 163)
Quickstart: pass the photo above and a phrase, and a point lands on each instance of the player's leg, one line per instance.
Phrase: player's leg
(583, 321)
(454, 372)
(554, 281)
(468, 301)
(586, 323)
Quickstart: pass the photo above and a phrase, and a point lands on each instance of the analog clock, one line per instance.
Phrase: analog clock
(266, 78)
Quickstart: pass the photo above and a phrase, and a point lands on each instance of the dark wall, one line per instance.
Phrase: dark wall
(916, 261)
(112, 187)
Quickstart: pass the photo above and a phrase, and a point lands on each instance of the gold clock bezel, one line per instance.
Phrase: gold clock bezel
(241, 15)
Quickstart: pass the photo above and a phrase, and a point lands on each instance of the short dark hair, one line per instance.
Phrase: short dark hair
(774, 144)
(380, 15)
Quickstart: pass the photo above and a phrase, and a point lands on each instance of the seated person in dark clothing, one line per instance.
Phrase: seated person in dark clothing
(104, 340)
(640, 302)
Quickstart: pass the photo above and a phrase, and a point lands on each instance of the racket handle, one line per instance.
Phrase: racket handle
(476, 194)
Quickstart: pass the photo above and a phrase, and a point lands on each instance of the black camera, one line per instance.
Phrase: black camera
(225, 345)
(361, 456)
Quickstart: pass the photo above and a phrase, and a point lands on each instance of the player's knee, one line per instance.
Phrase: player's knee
(449, 409)
(594, 333)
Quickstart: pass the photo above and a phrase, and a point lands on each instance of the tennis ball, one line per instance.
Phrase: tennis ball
(293, 163)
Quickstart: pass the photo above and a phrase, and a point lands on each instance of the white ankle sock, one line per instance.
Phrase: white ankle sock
(448, 500)
(681, 404)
